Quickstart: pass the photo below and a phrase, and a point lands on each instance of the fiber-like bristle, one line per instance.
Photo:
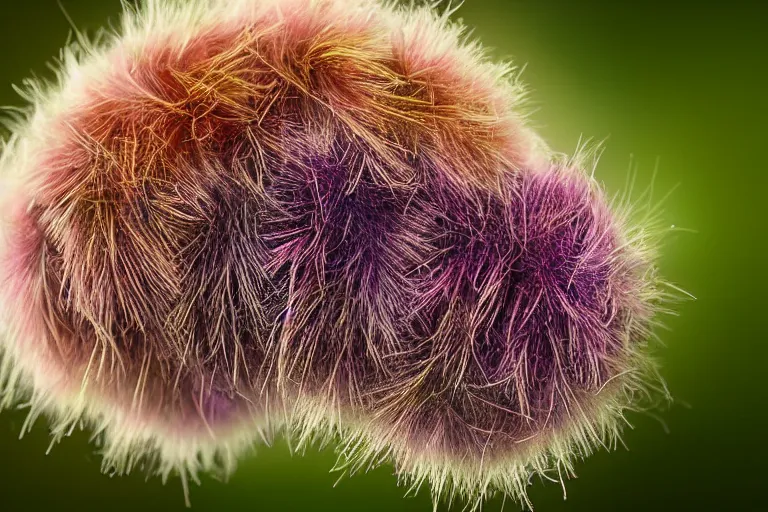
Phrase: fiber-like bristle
(524, 339)
(329, 214)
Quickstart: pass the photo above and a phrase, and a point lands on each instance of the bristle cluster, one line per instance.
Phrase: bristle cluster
(326, 216)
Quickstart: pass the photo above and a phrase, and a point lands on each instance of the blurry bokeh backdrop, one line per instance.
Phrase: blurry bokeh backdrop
(676, 87)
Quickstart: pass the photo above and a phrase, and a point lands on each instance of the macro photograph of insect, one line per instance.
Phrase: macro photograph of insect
(383, 255)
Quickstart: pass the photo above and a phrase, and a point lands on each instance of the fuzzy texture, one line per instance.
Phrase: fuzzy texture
(523, 340)
(328, 215)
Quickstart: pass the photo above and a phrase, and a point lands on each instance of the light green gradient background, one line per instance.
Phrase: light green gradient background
(683, 84)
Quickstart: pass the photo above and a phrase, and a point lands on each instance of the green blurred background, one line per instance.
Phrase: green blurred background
(682, 84)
